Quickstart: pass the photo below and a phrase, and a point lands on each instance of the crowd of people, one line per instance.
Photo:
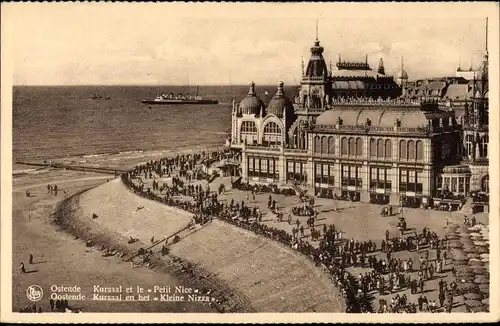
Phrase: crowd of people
(334, 254)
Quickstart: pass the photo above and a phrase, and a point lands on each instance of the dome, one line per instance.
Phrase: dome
(251, 104)
(401, 74)
(280, 102)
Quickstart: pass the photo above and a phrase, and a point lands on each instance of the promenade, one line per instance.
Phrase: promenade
(359, 222)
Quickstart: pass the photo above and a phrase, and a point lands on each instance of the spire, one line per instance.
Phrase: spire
(317, 31)
(302, 61)
(316, 66)
(330, 68)
(486, 35)
(459, 63)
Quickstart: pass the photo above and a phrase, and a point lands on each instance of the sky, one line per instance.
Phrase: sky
(214, 43)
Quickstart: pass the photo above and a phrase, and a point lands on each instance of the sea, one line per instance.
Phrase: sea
(51, 122)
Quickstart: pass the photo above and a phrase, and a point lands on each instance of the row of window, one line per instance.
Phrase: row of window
(324, 173)
(453, 184)
(263, 167)
(380, 148)
(269, 128)
(409, 181)
(296, 171)
(351, 175)
(410, 150)
(379, 179)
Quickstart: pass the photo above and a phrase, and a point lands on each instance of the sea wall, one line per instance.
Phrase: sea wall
(249, 272)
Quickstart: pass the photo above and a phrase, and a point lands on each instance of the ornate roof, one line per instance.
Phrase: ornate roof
(280, 102)
(316, 67)
(251, 104)
(380, 116)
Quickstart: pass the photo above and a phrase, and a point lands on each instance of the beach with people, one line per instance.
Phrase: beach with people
(60, 258)
(107, 215)
(184, 219)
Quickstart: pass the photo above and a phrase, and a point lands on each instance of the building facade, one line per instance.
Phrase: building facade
(370, 148)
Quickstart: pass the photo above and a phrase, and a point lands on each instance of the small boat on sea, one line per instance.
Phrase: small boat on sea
(180, 99)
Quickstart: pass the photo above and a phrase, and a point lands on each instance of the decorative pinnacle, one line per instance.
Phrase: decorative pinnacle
(485, 35)
(251, 91)
(280, 91)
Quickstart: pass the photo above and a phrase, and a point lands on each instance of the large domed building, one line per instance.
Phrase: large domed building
(348, 133)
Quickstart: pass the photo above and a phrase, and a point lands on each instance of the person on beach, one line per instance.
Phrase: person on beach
(21, 268)
(31, 259)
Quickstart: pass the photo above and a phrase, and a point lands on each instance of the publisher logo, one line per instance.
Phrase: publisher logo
(34, 292)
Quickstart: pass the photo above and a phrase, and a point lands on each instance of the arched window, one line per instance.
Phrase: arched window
(317, 144)
(272, 133)
(272, 128)
(352, 149)
(324, 145)
(484, 146)
(248, 127)
(420, 150)
(344, 146)
(411, 150)
(331, 145)
(380, 148)
(402, 149)
(485, 184)
(359, 146)
(373, 148)
(388, 148)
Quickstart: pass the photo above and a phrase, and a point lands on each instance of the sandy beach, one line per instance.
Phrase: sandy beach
(217, 252)
(60, 259)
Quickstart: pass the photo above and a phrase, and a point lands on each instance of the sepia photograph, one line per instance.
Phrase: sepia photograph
(172, 162)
